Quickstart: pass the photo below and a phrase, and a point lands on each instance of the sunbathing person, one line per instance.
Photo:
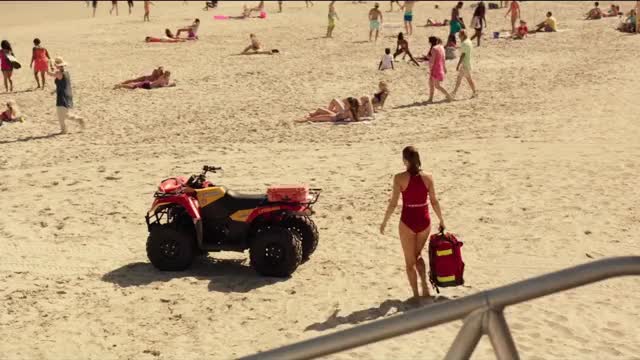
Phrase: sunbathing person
(155, 74)
(614, 10)
(349, 109)
(595, 13)
(191, 30)
(256, 47)
(12, 114)
(380, 97)
(430, 23)
(162, 81)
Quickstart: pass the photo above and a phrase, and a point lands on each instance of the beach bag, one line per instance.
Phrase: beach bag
(449, 53)
(446, 267)
(493, 6)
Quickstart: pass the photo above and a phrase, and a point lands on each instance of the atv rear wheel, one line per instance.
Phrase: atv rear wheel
(170, 250)
(276, 251)
(306, 230)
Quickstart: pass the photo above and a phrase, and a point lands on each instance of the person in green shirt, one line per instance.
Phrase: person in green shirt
(464, 64)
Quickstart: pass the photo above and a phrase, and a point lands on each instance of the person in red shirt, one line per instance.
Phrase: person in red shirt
(522, 31)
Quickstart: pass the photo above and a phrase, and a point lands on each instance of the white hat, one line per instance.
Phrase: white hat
(59, 61)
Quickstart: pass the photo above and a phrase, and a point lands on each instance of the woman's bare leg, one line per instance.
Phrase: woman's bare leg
(322, 118)
(421, 267)
(408, 241)
(443, 90)
(412, 59)
(431, 89)
(43, 78)
(6, 81)
(336, 106)
(35, 74)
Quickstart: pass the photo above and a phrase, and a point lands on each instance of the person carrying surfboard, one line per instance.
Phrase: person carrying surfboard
(6, 57)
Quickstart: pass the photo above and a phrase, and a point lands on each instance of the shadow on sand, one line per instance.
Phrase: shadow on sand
(373, 313)
(224, 275)
(29, 138)
(421, 103)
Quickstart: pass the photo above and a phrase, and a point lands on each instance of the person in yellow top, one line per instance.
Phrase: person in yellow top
(549, 25)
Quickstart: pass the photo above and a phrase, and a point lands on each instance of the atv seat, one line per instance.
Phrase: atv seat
(245, 201)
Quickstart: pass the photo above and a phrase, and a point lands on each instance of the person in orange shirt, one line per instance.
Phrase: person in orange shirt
(147, 9)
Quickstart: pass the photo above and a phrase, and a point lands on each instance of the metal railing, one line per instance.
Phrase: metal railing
(482, 314)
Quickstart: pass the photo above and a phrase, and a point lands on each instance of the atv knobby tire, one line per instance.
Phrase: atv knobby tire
(169, 249)
(276, 251)
(306, 230)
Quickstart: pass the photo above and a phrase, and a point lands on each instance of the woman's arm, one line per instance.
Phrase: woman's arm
(383, 98)
(393, 203)
(435, 204)
(57, 74)
(33, 57)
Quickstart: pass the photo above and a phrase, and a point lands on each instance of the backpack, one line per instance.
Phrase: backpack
(446, 267)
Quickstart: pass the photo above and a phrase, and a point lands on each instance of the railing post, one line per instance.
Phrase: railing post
(467, 338)
(500, 336)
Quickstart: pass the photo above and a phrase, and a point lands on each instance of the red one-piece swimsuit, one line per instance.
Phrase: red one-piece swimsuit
(415, 209)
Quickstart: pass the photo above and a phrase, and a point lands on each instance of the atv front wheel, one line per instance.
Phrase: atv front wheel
(306, 230)
(276, 251)
(170, 250)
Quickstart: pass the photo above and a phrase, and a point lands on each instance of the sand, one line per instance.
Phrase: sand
(539, 173)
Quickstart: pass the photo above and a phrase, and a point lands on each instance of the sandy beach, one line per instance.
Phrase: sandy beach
(538, 173)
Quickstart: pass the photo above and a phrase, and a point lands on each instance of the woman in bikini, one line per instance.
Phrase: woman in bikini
(416, 188)
(349, 109)
(380, 97)
(402, 47)
(162, 81)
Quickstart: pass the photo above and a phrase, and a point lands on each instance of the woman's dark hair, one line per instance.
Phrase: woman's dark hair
(400, 36)
(411, 155)
(433, 40)
(354, 106)
(5, 45)
(36, 41)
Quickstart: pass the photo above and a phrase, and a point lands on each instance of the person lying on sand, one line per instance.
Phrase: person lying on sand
(380, 97)
(11, 114)
(155, 75)
(256, 47)
(431, 22)
(191, 30)
(549, 25)
(349, 109)
(162, 81)
(595, 13)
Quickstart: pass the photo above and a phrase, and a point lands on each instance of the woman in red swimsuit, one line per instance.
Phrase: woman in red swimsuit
(415, 225)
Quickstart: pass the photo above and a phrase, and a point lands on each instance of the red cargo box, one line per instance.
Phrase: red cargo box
(288, 193)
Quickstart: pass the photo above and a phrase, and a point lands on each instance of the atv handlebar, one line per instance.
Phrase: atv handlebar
(207, 168)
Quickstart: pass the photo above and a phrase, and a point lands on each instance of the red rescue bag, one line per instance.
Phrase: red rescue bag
(288, 193)
(446, 267)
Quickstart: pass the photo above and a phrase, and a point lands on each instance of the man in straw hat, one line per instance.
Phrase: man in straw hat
(64, 96)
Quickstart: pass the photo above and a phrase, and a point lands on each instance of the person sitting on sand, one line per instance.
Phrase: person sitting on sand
(595, 13)
(349, 109)
(629, 24)
(162, 81)
(614, 10)
(191, 30)
(12, 114)
(431, 22)
(380, 97)
(549, 25)
(155, 75)
(402, 47)
(256, 48)
(521, 31)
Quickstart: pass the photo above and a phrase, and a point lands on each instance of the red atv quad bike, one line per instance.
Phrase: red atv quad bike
(191, 217)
